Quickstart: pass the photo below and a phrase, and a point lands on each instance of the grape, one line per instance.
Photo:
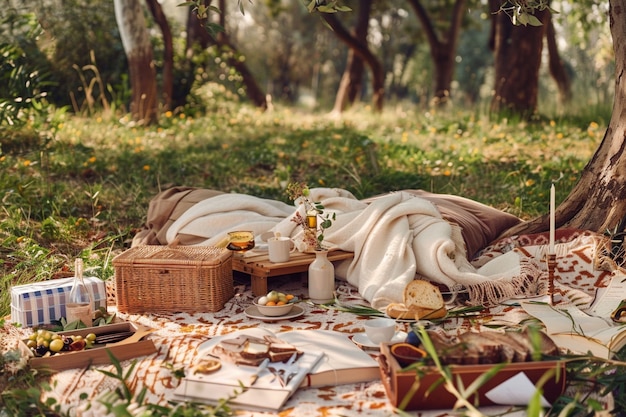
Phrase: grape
(41, 350)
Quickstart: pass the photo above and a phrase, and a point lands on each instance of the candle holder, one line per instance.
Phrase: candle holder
(551, 258)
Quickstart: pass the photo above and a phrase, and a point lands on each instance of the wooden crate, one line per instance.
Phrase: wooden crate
(426, 392)
(173, 279)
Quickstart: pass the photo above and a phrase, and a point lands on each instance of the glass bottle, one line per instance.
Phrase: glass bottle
(78, 305)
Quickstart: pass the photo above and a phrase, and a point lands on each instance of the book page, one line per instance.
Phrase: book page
(580, 345)
(342, 361)
(608, 299)
(567, 319)
(265, 393)
(572, 329)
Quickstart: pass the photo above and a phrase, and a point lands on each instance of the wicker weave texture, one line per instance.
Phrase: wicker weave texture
(152, 279)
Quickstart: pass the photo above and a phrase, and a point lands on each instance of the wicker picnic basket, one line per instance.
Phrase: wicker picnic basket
(173, 278)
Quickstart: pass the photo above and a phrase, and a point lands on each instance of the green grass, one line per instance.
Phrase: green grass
(74, 186)
(80, 187)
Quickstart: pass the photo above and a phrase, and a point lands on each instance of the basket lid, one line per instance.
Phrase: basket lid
(206, 255)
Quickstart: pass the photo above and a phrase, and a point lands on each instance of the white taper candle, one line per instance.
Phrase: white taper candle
(552, 219)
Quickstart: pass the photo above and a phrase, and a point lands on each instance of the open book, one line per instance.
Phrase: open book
(577, 331)
(329, 358)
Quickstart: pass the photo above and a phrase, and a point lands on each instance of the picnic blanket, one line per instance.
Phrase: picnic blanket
(178, 336)
(395, 238)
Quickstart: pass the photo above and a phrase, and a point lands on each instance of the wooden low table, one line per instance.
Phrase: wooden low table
(260, 268)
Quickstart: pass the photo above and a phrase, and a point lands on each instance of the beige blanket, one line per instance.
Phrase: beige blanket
(395, 238)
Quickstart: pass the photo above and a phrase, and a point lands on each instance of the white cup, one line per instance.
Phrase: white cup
(380, 330)
(279, 248)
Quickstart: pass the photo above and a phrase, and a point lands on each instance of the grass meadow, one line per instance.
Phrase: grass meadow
(80, 186)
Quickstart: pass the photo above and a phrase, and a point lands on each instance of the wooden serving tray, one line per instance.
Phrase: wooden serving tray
(432, 395)
(94, 356)
(260, 268)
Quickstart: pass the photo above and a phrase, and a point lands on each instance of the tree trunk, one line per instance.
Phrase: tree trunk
(362, 50)
(352, 80)
(517, 61)
(442, 51)
(168, 52)
(196, 33)
(555, 63)
(598, 201)
(138, 49)
(253, 91)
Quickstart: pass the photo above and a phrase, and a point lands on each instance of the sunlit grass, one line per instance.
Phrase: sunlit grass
(82, 187)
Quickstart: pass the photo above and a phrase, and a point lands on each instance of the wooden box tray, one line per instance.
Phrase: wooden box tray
(93, 356)
(432, 395)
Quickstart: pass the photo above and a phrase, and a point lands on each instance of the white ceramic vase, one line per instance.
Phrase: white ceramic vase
(321, 279)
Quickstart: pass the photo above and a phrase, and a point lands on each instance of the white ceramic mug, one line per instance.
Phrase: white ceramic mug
(380, 330)
(279, 248)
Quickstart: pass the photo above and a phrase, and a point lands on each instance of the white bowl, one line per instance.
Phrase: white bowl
(273, 311)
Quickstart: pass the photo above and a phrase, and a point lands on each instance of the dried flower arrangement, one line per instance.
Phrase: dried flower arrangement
(315, 221)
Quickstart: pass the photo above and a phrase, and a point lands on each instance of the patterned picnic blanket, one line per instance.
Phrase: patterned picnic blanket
(581, 270)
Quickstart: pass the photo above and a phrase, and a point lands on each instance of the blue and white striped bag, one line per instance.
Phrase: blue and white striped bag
(42, 302)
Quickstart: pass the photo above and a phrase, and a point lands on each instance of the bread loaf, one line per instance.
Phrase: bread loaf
(422, 301)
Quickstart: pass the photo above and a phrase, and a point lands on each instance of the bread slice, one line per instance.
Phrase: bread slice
(255, 350)
(283, 356)
(399, 311)
(420, 313)
(423, 294)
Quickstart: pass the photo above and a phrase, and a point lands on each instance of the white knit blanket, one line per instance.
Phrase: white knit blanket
(395, 239)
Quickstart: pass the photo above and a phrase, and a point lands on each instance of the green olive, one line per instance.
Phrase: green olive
(56, 345)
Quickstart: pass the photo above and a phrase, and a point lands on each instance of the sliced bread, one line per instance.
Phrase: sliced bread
(420, 293)
(422, 301)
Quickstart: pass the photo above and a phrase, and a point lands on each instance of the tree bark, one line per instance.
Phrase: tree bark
(351, 83)
(138, 49)
(598, 201)
(442, 50)
(362, 51)
(555, 63)
(517, 60)
(168, 52)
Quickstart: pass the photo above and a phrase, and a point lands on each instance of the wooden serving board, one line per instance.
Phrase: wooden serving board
(260, 268)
